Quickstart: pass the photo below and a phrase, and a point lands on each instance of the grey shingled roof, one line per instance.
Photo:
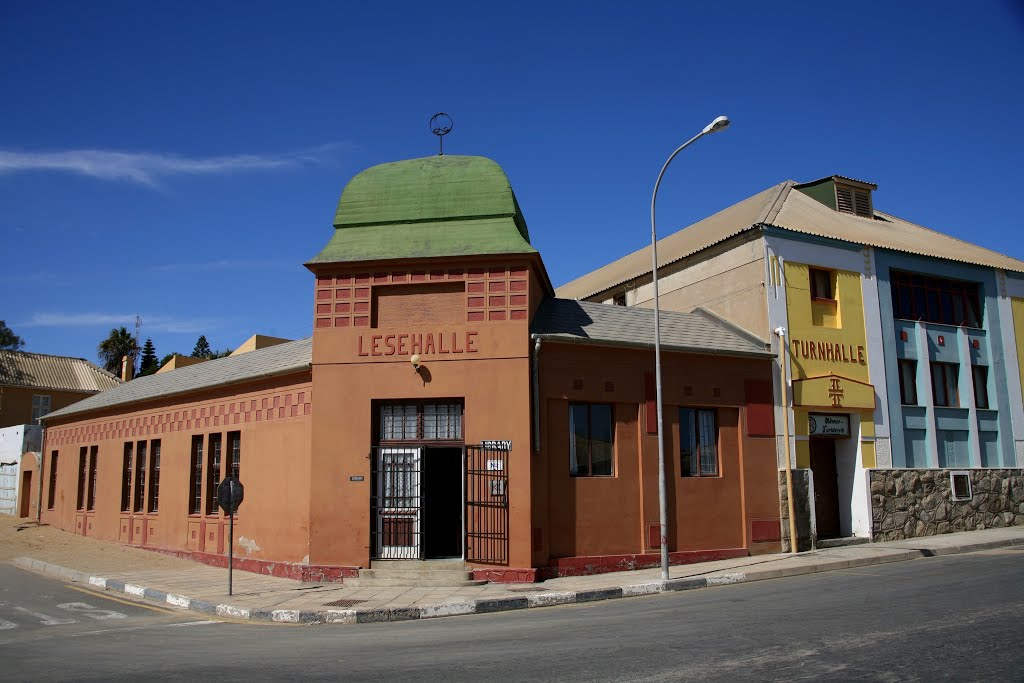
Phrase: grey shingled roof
(604, 324)
(273, 360)
(60, 373)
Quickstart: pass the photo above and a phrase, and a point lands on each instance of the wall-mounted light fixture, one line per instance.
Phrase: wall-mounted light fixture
(415, 360)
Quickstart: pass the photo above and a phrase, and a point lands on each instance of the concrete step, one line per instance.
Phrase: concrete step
(842, 542)
(424, 565)
(416, 574)
(446, 572)
(412, 583)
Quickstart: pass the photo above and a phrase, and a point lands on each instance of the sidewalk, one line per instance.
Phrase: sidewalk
(204, 589)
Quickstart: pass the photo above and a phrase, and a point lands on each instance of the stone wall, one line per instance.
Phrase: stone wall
(804, 527)
(912, 503)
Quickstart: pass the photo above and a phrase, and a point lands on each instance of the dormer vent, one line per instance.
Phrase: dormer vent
(842, 194)
(855, 200)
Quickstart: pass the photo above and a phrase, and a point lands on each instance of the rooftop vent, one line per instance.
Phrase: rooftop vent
(844, 195)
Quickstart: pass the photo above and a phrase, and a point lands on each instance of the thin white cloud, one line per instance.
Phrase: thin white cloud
(153, 323)
(148, 168)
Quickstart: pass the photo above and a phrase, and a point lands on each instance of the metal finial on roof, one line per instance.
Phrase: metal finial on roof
(440, 125)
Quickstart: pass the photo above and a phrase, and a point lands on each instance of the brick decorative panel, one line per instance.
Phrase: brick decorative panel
(496, 293)
(201, 417)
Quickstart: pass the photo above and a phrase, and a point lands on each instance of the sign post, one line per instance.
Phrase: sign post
(230, 493)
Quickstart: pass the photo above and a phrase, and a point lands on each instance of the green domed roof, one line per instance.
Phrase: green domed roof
(435, 206)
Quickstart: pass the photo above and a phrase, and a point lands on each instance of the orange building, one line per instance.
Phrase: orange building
(447, 407)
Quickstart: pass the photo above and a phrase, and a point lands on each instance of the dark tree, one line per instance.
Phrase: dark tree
(221, 354)
(149, 364)
(9, 340)
(119, 343)
(202, 349)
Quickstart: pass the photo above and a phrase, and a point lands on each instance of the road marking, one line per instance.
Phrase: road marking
(45, 620)
(124, 602)
(139, 628)
(5, 625)
(91, 612)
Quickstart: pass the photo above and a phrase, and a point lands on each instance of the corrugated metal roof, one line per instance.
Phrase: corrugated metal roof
(60, 373)
(273, 360)
(800, 213)
(781, 207)
(604, 324)
(702, 234)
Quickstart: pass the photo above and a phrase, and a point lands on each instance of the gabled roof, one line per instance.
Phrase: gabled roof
(271, 361)
(779, 206)
(585, 322)
(59, 373)
(429, 207)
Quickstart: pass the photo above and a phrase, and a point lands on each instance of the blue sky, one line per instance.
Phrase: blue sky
(180, 161)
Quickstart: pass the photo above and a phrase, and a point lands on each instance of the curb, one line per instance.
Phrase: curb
(496, 604)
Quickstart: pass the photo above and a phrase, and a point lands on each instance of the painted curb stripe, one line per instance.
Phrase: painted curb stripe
(502, 604)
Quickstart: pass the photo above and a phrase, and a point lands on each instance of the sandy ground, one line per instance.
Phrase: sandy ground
(22, 537)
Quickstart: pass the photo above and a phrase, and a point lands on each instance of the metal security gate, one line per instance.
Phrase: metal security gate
(487, 505)
(397, 503)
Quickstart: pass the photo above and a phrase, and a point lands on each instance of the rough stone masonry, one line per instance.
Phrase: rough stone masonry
(913, 503)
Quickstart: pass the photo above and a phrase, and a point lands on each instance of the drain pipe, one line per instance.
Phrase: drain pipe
(781, 332)
(536, 393)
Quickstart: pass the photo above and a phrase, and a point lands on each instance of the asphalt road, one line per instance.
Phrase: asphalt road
(957, 618)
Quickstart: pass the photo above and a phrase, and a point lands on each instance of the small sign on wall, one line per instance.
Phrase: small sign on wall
(824, 424)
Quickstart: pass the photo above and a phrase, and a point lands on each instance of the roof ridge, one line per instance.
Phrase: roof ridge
(48, 355)
(773, 211)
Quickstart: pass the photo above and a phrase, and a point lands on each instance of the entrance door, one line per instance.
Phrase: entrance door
(442, 502)
(26, 492)
(826, 487)
(398, 503)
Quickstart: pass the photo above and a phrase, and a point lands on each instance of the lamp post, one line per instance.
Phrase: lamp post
(720, 123)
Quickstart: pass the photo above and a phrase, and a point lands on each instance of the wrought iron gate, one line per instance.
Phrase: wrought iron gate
(486, 505)
(397, 503)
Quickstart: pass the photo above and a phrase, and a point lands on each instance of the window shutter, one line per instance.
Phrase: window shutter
(862, 203)
(844, 199)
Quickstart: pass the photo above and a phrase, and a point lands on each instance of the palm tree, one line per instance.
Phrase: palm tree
(120, 343)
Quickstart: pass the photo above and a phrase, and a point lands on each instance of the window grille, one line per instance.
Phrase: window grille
(140, 476)
(421, 421)
(91, 502)
(126, 478)
(196, 483)
(213, 474)
(154, 476)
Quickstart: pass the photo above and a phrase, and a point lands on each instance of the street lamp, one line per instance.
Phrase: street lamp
(720, 123)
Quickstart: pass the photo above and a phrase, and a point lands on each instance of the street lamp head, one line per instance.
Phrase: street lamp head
(721, 123)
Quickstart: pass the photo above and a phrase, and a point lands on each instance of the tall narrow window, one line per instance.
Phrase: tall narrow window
(235, 449)
(821, 284)
(140, 476)
(945, 384)
(979, 373)
(126, 478)
(908, 382)
(83, 457)
(91, 502)
(698, 443)
(53, 481)
(40, 406)
(213, 473)
(195, 485)
(154, 476)
(591, 430)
